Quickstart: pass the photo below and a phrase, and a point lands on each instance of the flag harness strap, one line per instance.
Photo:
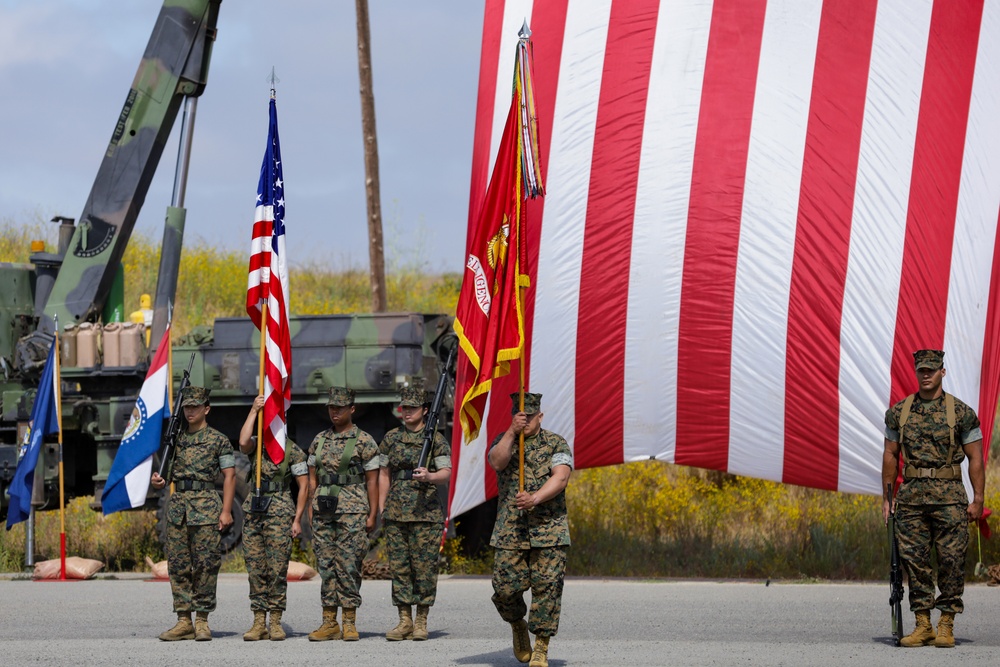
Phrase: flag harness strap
(275, 483)
(949, 471)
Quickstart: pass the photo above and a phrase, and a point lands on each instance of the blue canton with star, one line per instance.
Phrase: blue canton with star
(271, 186)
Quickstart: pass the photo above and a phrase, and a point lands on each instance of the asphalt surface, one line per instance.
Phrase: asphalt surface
(604, 622)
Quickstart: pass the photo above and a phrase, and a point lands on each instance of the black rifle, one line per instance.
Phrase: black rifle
(435, 412)
(895, 573)
(175, 423)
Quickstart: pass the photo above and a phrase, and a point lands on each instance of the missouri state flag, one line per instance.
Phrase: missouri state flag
(128, 481)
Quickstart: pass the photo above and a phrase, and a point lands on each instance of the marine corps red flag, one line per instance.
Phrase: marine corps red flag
(490, 316)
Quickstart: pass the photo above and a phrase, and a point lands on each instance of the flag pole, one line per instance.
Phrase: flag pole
(260, 414)
(526, 149)
(520, 453)
(62, 488)
(170, 379)
(170, 362)
(521, 289)
(263, 351)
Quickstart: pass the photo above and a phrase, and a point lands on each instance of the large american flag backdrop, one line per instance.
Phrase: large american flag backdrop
(755, 211)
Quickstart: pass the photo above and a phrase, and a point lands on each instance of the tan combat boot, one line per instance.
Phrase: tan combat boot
(349, 618)
(540, 656)
(259, 629)
(420, 623)
(276, 631)
(183, 629)
(945, 632)
(329, 630)
(202, 633)
(404, 629)
(923, 633)
(522, 640)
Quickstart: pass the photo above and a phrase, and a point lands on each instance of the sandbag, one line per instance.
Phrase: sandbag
(300, 571)
(158, 570)
(76, 568)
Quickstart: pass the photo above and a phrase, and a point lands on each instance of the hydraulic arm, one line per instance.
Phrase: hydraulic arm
(174, 67)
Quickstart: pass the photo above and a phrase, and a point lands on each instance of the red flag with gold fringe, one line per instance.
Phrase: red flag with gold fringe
(490, 315)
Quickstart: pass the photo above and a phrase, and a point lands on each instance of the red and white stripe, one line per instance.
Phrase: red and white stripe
(755, 211)
(268, 281)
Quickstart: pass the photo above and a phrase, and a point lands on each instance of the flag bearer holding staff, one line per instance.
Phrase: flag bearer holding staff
(531, 536)
(343, 483)
(196, 516)
(268, 535)
(411, 513)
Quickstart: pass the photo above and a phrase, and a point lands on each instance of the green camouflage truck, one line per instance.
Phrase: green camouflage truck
(81, 282)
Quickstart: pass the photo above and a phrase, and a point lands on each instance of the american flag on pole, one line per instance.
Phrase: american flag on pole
(268, 283)
(755, 211)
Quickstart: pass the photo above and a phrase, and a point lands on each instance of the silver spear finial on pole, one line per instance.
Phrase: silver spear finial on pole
(525, 31)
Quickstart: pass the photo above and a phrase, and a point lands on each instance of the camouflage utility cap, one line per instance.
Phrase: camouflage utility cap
(532, 403)
(341, 397)
(194, 396)
(932, 359)
(412, 397)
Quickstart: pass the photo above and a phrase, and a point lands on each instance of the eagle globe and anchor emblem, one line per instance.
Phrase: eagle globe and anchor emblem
(496, 253)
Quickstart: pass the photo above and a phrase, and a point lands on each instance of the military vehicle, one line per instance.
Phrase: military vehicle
(79, 287)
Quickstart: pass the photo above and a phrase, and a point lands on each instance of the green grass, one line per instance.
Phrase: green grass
(653, 519)
(121, 540)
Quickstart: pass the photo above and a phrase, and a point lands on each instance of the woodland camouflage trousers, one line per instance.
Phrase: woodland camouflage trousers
(194, 554)
(340, 543)
(944, 528)
(267, 546)
(542, 570)
(413, 548)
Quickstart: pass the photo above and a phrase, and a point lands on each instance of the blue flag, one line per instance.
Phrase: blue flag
(44, 421)
(128, 481)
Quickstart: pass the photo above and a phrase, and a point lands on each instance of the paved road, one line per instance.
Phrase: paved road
(605, 622)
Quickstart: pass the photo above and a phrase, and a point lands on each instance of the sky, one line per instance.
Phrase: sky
(67, 65)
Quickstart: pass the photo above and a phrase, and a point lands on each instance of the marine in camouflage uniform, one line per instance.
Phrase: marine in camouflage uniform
(932, 506)
(531, 535)
(340, 537)
(268, 535)
(411, 513)
(196, 516)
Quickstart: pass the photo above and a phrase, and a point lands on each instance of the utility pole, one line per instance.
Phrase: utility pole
(376, 257)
